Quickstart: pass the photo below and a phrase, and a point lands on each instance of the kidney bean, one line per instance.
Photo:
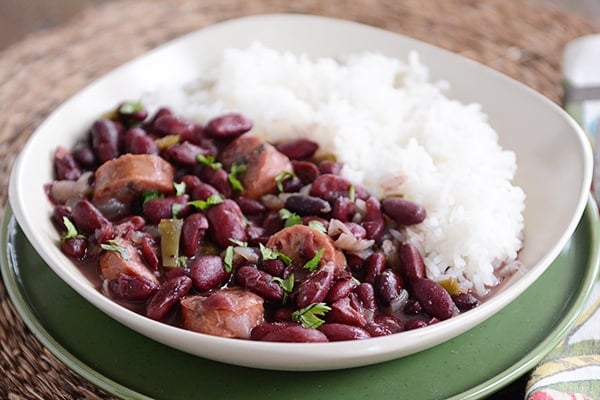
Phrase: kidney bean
(167, 296)
(315, 287)
(389, 287)
(355, 263)
(343, 209)
(185, 154)
(191, 182)
(404, 212)
(65, 165)
(260, 330)
(412, 266)
(105, 139)
(259, 282)
(415, 323)
(87, 217)
(273, 267)
(83, 154)
(298, 149)
(373, 267)
(228, 126)
(137, 141)
(283, 314)
(150, 125)
(330, 167)
(307, 205)
(306, 171)
(192, 233)
(272, 223)
(337, 332)
(340, 288)
(250, 206)
(218, 179)
(383, 325)
(295, 333)
(132, 117)
(292, 184)
(465, 301)
(164, 208)
(412, 307)
(329, 187)
(149, 250)
(226, 221)
(346, 311)
(134, 288)
(172, 273)
(208, 272)
(203, 191)
(58, 213)
(74, 247)
(255, 235)
(434, 299)
(169, 124)
(365, 293)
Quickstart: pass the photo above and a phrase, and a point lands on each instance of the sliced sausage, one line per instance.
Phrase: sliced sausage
(263, 164)
(124, 179)
(125, 261)
(230, 312)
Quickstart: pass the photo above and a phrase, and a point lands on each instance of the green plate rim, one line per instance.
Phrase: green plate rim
(488, 387)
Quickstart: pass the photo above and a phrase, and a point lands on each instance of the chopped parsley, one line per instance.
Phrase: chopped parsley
(209, 161)
(309, 315)
(289, 217)
(131, 106)
(114, 245)
(352, 193)
(313, 263)
(286, 284)
(282, 176)
(228, 259)
(179, 188)
(269, 254)
(71, 232)
(238, 242)
(318, 225)
(236, 170)
(151, 195)
(212, 200)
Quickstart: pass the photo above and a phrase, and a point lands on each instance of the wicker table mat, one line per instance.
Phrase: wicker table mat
(520, 38)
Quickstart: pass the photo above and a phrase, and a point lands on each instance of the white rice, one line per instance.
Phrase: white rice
(395, 131)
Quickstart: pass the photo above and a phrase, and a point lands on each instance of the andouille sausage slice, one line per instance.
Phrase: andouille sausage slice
(263, 164)
(301, 243)
(229, 312)
(124, 261)
(123, 179)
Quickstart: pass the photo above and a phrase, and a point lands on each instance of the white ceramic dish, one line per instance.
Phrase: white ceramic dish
(555, 167)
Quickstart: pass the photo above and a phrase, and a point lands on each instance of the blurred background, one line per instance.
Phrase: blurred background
(18, 18)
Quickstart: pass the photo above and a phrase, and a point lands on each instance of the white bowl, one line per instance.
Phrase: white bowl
(554, 159)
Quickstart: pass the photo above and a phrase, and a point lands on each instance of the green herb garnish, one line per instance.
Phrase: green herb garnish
(318, 225)
(286, 284)
(282, 176)
(179, 188)
(131, 106)
(209, 161)
(114, 245)
(236, 170)
(228, 259)
(313, 263)
(212, 200)
(269, 254)
(71, 232)
(352, 193)
(309, 315)
(289, 217)
(151, 195)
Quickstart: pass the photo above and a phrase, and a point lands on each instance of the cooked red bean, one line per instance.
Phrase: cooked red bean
(329, 187)
(225, 222)
(192, 233)
(365, 293)
(292, 184)
(315, 287)
(74, 247)
(415, 324)
(133, 288)
(87, 217)
(341, 288)
(374, 265)
(150, 252)
(465, 301)
(164, 208)
(346, 310)
(330, 167)
(167, 296)
(343, 209)
(411, 263)
(208, 272)
(297, 334)
(298, 149)
(259, 282)
(105, 139)
(338, 332)
(185, 154)
(384, 324)
(218, 179)
(203, 191)
(306, 171)
(250, 206)
(307, 205)
(404, 212)
(84, 155)
(434, 299)
(228, 126)
(389, 287)
(137, 141)
(274, 267)
(169, 124)
(65, 165)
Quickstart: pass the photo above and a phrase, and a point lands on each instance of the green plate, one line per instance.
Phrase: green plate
(471, 366)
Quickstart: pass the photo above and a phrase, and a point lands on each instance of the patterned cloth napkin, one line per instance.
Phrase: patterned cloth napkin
(572, 370)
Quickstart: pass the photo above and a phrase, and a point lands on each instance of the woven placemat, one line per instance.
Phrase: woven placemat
(520, 38)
